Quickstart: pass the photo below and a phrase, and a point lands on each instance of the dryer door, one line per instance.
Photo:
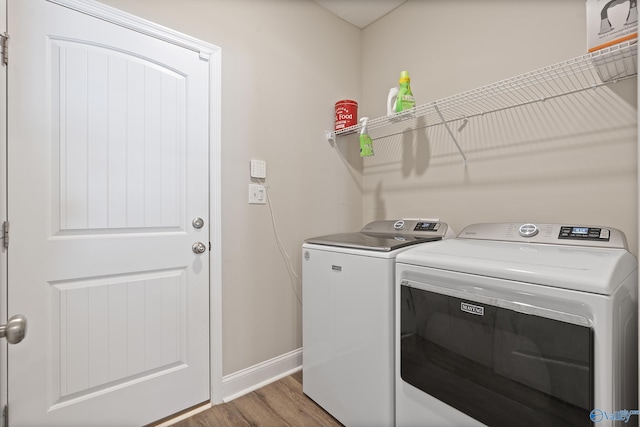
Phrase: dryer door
(497, 365)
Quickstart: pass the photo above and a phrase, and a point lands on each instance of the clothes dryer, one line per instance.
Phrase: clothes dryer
(510, 324)
(348, 317)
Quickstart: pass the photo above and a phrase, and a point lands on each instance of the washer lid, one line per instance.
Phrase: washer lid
(387, 235)
(371, 241)
(586, 269)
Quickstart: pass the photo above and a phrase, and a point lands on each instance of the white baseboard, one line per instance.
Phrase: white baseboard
(250, 379)
(256, 376)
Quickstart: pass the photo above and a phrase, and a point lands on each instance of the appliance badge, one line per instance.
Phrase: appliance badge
(473, 309)
(337, 268)
(306, 255)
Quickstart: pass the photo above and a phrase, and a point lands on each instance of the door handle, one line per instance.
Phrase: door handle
(199, 248)
(15, 329)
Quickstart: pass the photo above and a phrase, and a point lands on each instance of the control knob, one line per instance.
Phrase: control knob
(528, 230)
(399, 224)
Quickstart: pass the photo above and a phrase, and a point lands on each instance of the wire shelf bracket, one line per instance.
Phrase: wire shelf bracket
(453, 137)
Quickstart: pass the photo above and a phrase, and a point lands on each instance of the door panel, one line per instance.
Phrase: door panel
(107, 165)
(104, 339)
(121, 139)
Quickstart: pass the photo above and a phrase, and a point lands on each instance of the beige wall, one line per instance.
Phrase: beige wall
(286, 62)
(571, 160)
(284, 65)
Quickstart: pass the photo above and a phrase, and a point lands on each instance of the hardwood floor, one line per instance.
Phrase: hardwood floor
(281, 403)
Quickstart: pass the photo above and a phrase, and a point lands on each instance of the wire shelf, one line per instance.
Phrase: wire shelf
(586, 72)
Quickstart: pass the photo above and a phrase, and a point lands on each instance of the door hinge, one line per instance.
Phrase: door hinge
(5, 235)
(4, 37)
(5, 415)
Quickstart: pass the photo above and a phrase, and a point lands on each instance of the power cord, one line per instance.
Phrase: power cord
(293, 276)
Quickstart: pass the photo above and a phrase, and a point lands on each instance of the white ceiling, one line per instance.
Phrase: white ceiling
(360, 12)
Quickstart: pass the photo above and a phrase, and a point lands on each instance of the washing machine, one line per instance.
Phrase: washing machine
(518, 324)
(348, 317)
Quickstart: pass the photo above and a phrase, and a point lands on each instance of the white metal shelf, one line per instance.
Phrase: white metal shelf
(586, 72)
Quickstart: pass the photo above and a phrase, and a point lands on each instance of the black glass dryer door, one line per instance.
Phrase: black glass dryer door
(498, 366)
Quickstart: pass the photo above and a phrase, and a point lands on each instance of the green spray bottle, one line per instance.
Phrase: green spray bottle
(366, 144)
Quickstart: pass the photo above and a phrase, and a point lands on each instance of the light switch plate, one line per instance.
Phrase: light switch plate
(257, 194)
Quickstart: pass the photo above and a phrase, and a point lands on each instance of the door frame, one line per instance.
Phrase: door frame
(207, 52)
(3, 216)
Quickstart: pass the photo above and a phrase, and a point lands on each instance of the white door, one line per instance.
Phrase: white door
(107, 168)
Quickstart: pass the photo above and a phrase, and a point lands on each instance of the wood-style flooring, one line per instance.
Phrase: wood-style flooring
(281, 403)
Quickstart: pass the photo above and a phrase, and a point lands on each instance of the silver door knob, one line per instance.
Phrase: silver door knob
(15, 329)
(199, 248)
(197, 223)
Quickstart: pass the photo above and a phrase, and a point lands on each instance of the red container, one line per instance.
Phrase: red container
(346, 114)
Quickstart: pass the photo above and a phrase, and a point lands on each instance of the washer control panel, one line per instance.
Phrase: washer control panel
(556, 234)
(409, 228)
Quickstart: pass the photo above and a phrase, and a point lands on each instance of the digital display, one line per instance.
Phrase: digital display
(584, 233)
(426, 226)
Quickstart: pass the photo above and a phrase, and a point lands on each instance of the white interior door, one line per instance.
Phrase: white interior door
(107, 168)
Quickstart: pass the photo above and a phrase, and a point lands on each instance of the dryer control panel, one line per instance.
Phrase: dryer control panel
(597, 234)
(557, 234)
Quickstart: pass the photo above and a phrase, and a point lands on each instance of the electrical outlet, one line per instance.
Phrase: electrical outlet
(257, 194)
(258, 169)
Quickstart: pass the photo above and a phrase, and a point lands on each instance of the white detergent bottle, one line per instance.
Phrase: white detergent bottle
(391, 101)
